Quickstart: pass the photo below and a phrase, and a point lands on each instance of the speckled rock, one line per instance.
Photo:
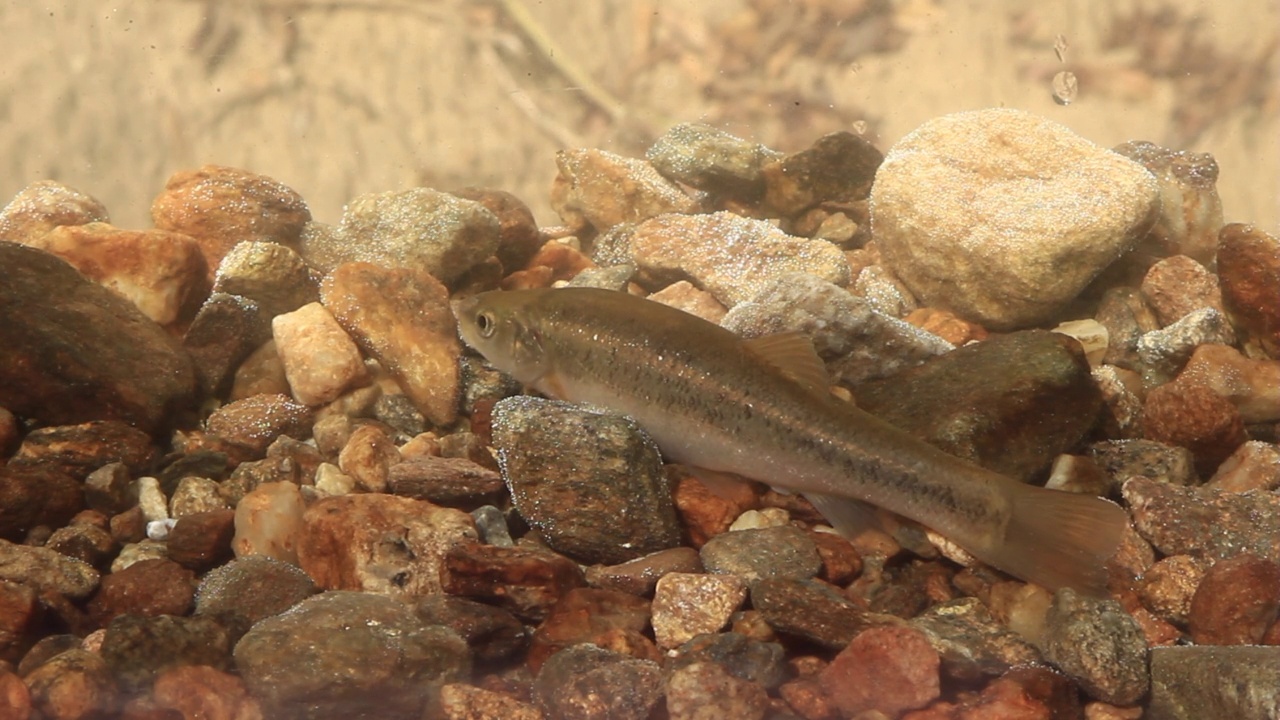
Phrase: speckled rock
(73, 685)
(78, 450)
(493, 634)
(1193, 416)
(688, 605)
(225, 332)
(320, 359)
(222, 206)
(707, 690)
(518, 236)
(601, 496)
(138, 648)
(1254, 465)
(838, 167)
(1253, 386)
(1236, 602)
(1190, 683)
(730, 256)
(147, 588)
(971, 641)
(162, 273)
(608, 619)
(1168, 586)
(269, 521)
(44, 205)
(1123, 459)
(1099, 645)
(452, 482)
(380, 543)
(744, 657)
(888, 669)
(76, 351)
(711, 160)
(252, 588)
(270, 274)
(255, 422)
(1178, 285)
(857, 342)
(202, 540)
(640, 576)
(464, 702)
(524, 580)
(1249, 271)
(1190, 210)
(1124, 312)
(1162, 353)
(401, 317)
(777, 552)
(368, 656)
(884, 292)
(599, 189)
(585, 682)
(812, 610)
(986, 241)
(196, 494)
(34, 496)
(368, 457)
(46, 571)
(973, 402)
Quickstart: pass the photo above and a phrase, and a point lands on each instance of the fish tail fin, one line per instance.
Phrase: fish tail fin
(1060, 539)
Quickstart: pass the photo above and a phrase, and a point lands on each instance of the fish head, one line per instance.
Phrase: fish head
(500, 326)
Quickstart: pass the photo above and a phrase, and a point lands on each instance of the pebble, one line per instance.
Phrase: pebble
(985, 242)
(222, 206)
(707, 690)
(452, 482)
(491, 525)
(1123, 415)
(362, 650)
(682, 295)
(46, 571)
(973, 402)
(1194, 417)
(464, 702)
(1190, 212)
(77, 352)
(858, 343)
(196, 495)
(1080, 474)
(518, 234)
(492, 634)
(1253, 386)
(599, 189)
(1236, 602)
(946, 325)
(838, 167)
(73, 685)
(20, 619)
(1099, 645)
(33, 497)
(202, 540)
(273, 276)
(708, 506)
(379, 543)
(687, 605)
(811, 610)
(1163, 353)
(756, 519)
(744, 657)
(221, 340)
(777, 552)
(162, 273)
(1249, 271)
(136, 552)
(1124, 312)
(9, 432)
(78, 450)
(526, 581)
(971, 642)
(368, 457)
(1195, 682)
(1255, 465)
(711, 160)
(252, 588)
(608, 619)
(586, 682)
(320, 359)
(396, 411)
(730, 256)
(1177, 286)
(1123, 459)
(401, 317)
(640, 576)
(87, 543)
(1168, 586)
(269, 521)
(137, 648)
(602, 497)
(147, 588)
(885, 669)
(44, 205)
(884, 292)
(204, 692)
(253, 423)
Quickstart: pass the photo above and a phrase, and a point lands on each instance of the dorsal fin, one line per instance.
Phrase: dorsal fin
(793, 354)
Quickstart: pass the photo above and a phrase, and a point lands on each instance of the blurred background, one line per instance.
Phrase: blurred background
(341, 97)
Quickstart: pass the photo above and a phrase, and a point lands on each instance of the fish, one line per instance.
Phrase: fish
(762, 409)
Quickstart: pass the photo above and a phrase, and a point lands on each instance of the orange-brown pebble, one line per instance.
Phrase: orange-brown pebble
(1194, 417)
(1249, 271)
(946, 325)
(708, 511)
(1236, 602)
(200, 691)
(44, 205)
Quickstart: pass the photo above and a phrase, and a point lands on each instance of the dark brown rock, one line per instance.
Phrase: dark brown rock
(256, 422)
(586, 682)
(202, 540)
(222, 206)
(20, 615)
(745, 657)
(110, 489)
(225, 331)
(1249, 270)
(78, 450)
(839, 167)
(147, 588)
(451, 482)
(971, 641)
(90, 544)
(518, 236)
(44, 205)
(34, 496)
(493, 634)
(1237, 600)
(772, 552)
(252, 588)
(74, 684)
(76, 352)
(812, 610)
(137, 648)
(525, 581)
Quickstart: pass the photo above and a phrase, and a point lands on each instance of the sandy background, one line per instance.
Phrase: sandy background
(343, 97)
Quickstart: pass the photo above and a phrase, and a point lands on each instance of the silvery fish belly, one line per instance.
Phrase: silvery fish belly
(761, 409)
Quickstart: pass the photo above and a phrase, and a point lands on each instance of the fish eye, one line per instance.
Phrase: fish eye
(485, 324)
